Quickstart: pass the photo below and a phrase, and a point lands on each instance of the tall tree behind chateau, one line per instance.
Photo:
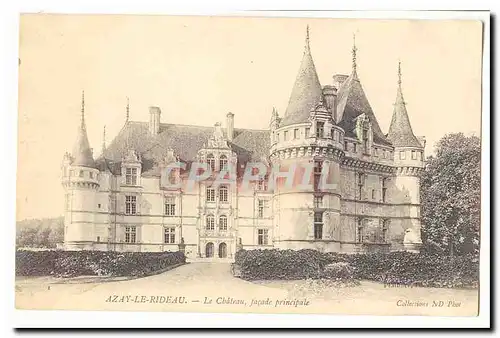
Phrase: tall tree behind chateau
(451, 196)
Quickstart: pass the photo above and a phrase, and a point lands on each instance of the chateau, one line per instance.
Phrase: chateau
(120, 200)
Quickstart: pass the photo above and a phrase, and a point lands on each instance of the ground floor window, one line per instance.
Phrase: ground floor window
(263, 237)
(318, 225)
(169, 236)
(130, 234)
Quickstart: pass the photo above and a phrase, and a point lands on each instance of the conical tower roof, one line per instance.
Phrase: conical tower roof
(82, 153)
(400, 131)
(352, 102)
(306, 92)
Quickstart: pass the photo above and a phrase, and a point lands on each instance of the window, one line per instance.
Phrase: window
(98, 239)
(373, 194)
(261, 184)
(318, 225)
(375, 152)
(277, 137)
(285, 135)
(402, 155)
(345, 146)
(223, 162)
(295, 134)
(384, 153)
(262, 236)
(81, 173)
(223, 223)
(359, 231)
(413, 155)
(354, 148)
(130, 176)
(99, 205)
(170, 206)
(261, 208)
(365, 141)
(169, 236)
(130, 234)
(308, 130)
(211, 162)
(318, 167)
(210, 194)
(361, 183)
(384, 189)
(385, 230)
(210, 222)
(223, 194)
(333, 133)
(130, 205)
(318, 201)
(91, 175)
(320, 126)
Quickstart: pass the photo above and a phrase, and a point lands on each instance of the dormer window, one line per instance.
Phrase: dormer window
(81, 173)
(223, 162)
(131, 176)
(285, 135)
(320, 129)
(211, 162)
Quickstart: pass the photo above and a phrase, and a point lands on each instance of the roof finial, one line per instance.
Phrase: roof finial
(399, 73)
(127, 110)
(83, 110)
(354, 50)
(104, 139)
(307, 47)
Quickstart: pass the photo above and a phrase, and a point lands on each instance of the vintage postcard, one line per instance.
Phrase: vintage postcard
(235, 164)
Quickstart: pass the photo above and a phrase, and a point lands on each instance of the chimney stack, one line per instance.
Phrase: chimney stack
(154, 120)
(230, 126)
(330, 95)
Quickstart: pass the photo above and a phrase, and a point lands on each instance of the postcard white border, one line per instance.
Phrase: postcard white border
(8, 105)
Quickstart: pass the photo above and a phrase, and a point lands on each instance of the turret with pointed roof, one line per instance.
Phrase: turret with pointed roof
(306, 92)
(400, 131)
(82, 153)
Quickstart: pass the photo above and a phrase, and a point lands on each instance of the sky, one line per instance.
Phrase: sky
(196, 69)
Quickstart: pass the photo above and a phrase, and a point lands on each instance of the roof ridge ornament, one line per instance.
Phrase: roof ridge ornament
(82, 119)
(127, 110)
(354, 52)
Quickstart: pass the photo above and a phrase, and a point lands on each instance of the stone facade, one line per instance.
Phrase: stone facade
(124, 200)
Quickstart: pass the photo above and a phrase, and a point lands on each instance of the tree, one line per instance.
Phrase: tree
(451, 195)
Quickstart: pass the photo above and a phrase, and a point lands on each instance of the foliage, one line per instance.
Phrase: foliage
(40, 233)
(93, 263)
(426, 270)
(451, 196)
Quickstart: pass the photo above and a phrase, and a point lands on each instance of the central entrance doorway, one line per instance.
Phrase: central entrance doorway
(209, 250)
(222, 250)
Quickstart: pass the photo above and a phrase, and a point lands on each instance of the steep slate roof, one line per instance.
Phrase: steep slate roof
(184, 140)
(400, 131)
(306, 92)
(352, 102)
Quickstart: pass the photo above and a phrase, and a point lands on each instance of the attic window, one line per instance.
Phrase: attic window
(131, 176)
(211, 161)
(223, 162)
(295, 134)
(402, 155)
(320, 126)
(413, 155)
(81, 173)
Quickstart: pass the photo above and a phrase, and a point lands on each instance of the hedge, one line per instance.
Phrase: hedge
(403, 268)
(93, 263)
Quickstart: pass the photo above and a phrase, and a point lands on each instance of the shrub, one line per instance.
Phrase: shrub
(94, 263)
(400, 267)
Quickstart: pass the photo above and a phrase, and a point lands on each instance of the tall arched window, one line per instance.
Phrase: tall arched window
(223, 222)
(210, 222)
(211, 161)
(223, 162)
(223, 194)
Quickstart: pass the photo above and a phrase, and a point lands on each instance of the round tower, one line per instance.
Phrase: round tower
(409, 161)
(80, 182)
(306, 149)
